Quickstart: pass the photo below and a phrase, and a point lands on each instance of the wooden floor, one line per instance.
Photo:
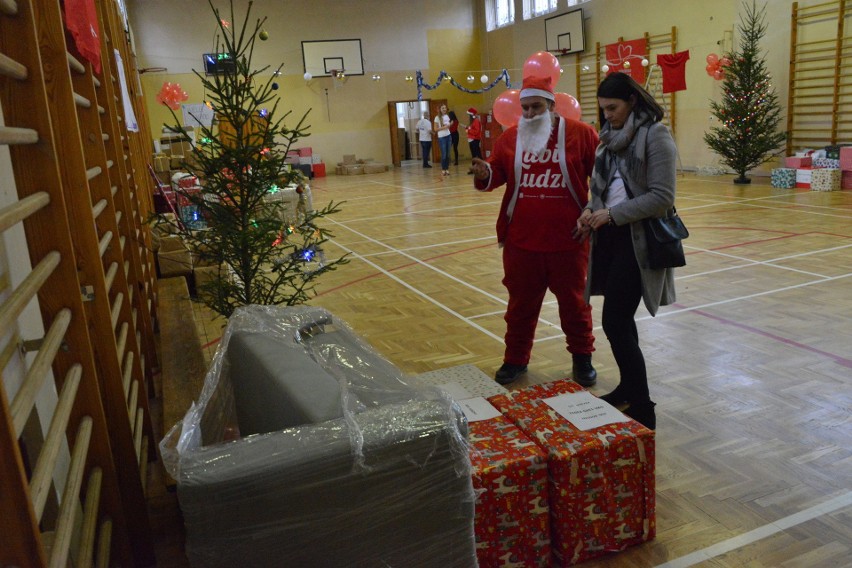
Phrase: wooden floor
(751, 368)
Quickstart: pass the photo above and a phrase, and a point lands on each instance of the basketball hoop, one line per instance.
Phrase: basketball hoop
(339, 74)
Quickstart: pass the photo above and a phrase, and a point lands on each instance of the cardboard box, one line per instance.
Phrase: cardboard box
(349, 159)
(825, 179)
(375, 168)
(169, 243)
(176, 162)
(353, 170)
(174, 262)
(601, 480)
(161, 163)
(509, 471)
(206, 274)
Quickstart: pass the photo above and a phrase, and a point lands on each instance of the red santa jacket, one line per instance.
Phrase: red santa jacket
(474, 131)
(545, 211)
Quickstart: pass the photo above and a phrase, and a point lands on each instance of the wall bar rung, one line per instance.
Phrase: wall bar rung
(113, 189)
(99, 208)
(43, 472)
(96, 82)
(93, 172)
(75, 64)
(104, 544)
(110, 163)
(82, 101)
(20, 210)
(116, 308)
(11, 68)
(109, 278)
(10, 135)
(137, 433)
(101, 109)
(127, 372)
(118, 217)
(105, 136)
(88, 532)
(133, 401)
(9, 7)
(104, 242)
(122, 338)
(21, 296)
(71, 495)
(25, 398)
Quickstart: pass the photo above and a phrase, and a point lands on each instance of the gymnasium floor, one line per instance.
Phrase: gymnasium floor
(751, 368)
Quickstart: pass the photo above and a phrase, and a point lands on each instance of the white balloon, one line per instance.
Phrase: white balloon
(605, 68)
(645, 62)
(484, 79)
(308, 76)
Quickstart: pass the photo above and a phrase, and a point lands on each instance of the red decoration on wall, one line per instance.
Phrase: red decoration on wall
(626, 57)
(81, 19)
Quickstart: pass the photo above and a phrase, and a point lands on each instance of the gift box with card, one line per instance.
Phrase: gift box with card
(601, 468)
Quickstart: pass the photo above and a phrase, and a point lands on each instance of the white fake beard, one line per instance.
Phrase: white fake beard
(534, 133)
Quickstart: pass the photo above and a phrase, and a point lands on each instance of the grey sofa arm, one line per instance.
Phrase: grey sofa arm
(298, 497)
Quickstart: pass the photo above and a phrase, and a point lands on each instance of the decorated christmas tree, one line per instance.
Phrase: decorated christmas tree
(749, 113)
(250, 217)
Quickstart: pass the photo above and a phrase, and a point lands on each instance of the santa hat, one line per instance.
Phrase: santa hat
(472, 111)
(537, 87)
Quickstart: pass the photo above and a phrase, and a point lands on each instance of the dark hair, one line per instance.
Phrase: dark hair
(452, 116)
(623, 86)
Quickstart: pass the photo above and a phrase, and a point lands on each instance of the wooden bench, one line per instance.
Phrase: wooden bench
(181, 354)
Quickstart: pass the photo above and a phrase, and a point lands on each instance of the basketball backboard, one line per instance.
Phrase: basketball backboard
(564, 33)
(327, 58)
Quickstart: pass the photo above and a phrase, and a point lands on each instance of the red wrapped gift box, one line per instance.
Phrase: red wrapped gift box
(601, 480)
(510, 479)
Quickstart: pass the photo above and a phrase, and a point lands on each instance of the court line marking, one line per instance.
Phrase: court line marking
(760, 533)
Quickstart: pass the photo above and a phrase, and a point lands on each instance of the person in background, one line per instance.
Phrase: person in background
(474, 133)
(442, 129)
(545, 162)
(424, 134)
(634, 178)
(454, 135)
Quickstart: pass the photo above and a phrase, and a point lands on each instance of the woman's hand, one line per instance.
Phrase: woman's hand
(599, 218)
(582, 230)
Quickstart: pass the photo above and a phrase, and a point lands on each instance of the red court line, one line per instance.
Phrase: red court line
(837, 358)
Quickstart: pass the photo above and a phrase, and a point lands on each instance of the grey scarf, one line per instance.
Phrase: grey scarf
(613, 142)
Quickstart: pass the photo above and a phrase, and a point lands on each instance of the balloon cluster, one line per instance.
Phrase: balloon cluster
(171, 95)
(543, 65)
(716, 66)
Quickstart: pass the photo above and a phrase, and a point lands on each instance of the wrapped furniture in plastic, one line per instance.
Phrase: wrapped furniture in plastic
(307, 448)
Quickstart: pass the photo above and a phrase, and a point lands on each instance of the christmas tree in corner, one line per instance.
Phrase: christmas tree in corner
(250, 219)
(749, 113)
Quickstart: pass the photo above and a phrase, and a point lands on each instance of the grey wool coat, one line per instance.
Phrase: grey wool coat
(648, 167)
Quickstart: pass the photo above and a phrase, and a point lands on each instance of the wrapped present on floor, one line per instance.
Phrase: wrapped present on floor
(803, 177)
(798, 161)
(512, 523)
(825, 179)
(784, 178)
(826, 163)
(845, 157)
(601, 478)
(845, 179)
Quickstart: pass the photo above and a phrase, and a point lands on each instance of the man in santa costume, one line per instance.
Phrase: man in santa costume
(545, 163)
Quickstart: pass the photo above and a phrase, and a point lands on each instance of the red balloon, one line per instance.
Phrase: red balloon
(711, 69)
(725, 61)
(507, 108)
(543, 64)
(712, 59)
(719, 74)
(567, 106)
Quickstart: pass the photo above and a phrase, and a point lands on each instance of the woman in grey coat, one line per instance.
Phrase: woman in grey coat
(634, 178)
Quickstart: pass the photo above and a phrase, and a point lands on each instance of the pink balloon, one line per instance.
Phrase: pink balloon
(507, 108)
(543, 64)
(712, 59)
(725, 61)
(567, 106)
(719, 74)
(711, 69)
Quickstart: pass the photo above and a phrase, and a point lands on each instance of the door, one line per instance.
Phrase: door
(408, 110)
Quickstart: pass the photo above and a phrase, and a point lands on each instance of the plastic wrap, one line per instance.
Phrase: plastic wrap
(358, 465)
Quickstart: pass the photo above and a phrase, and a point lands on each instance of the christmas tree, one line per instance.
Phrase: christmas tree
(749, 113)
(251, 216)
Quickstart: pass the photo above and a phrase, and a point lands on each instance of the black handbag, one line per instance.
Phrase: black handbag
(663, 238)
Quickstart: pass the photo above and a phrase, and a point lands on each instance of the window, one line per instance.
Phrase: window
(575, 2)
(533, 8)
(499, 13)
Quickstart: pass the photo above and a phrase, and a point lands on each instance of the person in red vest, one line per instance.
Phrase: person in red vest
(474, 133)
(545, 162)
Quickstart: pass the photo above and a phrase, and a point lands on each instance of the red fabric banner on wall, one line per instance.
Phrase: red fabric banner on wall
(631, 52)
(81, 19)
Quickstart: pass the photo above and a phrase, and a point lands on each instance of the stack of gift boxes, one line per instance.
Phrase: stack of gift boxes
(553, 491)
(829, 169)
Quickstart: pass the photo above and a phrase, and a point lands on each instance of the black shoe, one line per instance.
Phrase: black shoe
(643, 413)
(584, 372)
(509, 373)
(426, 166)
(616, 397)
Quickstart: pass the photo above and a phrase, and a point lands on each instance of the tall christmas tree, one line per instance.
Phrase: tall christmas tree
(250, 215)
(749, 113)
